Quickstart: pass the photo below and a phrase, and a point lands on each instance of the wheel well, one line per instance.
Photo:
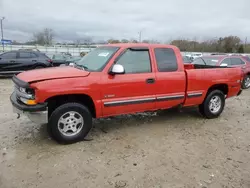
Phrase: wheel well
(56, 101)
(221, 87)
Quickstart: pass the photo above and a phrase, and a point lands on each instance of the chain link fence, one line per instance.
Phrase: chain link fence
(50, 50)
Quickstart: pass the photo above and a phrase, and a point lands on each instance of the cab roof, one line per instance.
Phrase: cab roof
(126, 45)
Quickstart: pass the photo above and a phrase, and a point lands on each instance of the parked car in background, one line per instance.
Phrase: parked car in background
(196, 55)
(62, 59)
(218, 54)
(193, 56)
(14, 62)
(120, 79)
(186, 59)
(230, 61)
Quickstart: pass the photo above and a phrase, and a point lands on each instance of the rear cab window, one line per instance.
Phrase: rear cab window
(166, 60)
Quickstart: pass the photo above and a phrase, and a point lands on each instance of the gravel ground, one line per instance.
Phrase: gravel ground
(161, 149)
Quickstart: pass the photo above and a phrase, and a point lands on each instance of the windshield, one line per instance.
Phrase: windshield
(206, 61)
(58, 57)
(186, 59)
(97, 59)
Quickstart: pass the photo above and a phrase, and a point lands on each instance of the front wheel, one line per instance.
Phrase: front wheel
(246, 82)
(70, 123)
(213, 104)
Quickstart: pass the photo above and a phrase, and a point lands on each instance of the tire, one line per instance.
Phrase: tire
(246, 82)
(66, 128)
(217, 108)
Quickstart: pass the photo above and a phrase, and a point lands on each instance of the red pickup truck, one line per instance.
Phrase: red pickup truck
(119, 79)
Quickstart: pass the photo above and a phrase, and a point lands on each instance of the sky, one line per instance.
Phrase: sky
(161, 20)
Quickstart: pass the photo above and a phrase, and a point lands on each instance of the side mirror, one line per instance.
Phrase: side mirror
(223, 65)
(117, 69)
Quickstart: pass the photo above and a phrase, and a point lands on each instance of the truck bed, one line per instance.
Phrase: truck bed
(195, 66)
(200, 78)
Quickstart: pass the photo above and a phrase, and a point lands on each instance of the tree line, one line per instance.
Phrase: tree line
(228, 44)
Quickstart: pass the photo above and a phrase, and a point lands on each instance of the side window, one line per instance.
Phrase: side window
(237, 61)
(135, 61)
(33, 55)
(9, 55)
(166, 60)
(226, 61)
(24, 55)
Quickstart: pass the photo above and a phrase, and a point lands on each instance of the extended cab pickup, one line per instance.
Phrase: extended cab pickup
(120, 79)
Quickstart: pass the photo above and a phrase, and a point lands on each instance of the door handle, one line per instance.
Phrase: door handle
(33, 60)
(12, 61)
(150, 81)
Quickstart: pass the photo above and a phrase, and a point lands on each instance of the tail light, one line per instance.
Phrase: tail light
(49, 60)
(242, 76)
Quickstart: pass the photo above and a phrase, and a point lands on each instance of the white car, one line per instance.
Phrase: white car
(194, 55)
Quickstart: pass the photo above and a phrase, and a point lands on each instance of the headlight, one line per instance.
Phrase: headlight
(23, 90)
(29, 91)
(26, 95)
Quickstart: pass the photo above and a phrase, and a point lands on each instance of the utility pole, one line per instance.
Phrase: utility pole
(1, 19)
(245, 43)
(140, 36)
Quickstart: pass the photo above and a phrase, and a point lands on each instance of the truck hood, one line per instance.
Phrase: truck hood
(51, 73)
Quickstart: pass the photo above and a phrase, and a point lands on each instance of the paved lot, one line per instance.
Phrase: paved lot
(164, 149)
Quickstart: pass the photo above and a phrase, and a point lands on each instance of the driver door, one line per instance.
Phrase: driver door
(132, 91)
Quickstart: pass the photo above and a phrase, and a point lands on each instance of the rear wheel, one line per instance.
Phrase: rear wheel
(246, 82)
(70, 123)
(213, 104)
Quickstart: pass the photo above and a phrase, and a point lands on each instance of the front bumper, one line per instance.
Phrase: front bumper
(37, 113)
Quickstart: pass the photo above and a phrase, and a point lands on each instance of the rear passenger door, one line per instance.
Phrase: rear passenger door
(170, 79)
(26, 60)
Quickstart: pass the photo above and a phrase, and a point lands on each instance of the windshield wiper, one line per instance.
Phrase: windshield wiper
(82, 66)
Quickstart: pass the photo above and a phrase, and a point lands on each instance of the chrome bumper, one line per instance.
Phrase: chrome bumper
(40, 117)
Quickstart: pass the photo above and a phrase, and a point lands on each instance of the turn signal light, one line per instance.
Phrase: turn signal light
(31, 102)
(28, 101)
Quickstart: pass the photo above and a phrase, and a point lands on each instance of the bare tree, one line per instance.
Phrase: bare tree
(44, 37)
(78, 42)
